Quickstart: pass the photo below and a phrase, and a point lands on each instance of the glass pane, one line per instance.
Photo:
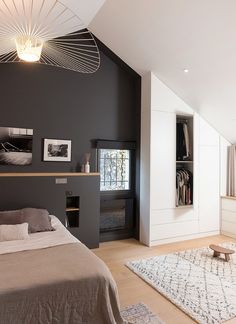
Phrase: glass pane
(114, 169)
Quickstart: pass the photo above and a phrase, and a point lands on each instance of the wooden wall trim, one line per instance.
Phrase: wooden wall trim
(229, 197)
(50, 174)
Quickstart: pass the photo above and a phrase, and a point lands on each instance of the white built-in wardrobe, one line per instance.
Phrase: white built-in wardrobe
(160, 220)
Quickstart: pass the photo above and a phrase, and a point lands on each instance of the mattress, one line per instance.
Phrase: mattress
(54, 278)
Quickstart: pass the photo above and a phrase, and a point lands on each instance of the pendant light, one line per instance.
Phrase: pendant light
(47, 32)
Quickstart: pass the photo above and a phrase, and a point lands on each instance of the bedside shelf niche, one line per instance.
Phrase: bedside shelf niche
(72, 211)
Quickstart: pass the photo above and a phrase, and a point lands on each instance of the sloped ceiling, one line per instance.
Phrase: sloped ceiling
(85, 9)
(167, 36)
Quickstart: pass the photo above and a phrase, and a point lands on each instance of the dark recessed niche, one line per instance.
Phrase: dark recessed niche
(116, 214)
(72, 211)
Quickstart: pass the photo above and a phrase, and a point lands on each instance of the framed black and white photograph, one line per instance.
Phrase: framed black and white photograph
(16, 146)
(57, 150)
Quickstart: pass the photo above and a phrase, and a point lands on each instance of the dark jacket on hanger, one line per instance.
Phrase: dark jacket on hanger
(182, 142)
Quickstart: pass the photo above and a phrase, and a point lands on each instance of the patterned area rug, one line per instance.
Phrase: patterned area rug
(139, 314)
(202, 286)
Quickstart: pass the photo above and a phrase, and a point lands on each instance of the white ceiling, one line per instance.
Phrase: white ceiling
(166, 36)
(85, 9)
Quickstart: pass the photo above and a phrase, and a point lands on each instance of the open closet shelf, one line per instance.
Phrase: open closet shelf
(184, 206)
(184, 161)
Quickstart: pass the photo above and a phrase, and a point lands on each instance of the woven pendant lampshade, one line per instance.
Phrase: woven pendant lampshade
(47, 32)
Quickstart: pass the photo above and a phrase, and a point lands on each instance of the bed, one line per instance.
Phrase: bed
(51, 277)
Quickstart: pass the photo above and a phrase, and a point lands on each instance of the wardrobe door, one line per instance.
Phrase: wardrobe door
(163, 151)
(209, 179)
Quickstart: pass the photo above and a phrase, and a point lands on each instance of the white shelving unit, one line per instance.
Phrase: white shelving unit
(160, 220)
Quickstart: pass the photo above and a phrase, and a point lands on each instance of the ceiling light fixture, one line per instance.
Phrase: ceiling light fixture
(186, 70)
(48, 32)
(29, 48)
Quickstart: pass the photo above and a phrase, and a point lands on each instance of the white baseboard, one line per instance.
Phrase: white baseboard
(183, 238)
(228, 234)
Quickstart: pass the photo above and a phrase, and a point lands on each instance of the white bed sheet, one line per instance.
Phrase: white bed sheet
(40, 240)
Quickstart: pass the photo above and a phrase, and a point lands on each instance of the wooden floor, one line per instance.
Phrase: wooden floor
(132, 289)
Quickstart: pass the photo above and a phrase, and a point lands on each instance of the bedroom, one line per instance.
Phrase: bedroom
(129, 144)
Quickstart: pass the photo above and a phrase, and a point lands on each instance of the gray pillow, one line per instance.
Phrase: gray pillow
(11, 217)
(38, 219)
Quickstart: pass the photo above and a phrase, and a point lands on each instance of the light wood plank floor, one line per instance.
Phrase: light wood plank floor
(132, 289)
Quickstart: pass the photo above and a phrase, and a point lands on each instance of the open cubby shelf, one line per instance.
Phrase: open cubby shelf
(72, 211)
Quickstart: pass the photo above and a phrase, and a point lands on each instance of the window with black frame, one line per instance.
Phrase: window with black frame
(114, 168)
(115, 165)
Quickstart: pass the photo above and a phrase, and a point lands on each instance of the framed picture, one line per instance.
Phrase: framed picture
(16, 146)
(57, 150)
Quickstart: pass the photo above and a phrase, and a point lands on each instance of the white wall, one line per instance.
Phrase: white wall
(161, 221)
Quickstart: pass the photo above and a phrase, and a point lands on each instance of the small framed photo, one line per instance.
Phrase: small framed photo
(57, 150)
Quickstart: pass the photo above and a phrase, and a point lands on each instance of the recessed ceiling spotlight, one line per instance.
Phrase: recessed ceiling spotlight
(186, 70)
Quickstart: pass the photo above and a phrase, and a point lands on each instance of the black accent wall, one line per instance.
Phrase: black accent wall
(63, 104)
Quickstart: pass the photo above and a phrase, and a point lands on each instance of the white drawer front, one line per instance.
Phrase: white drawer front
(228, 227)
(164, 231)
(176, 215)
(229, 204)
(228, 216)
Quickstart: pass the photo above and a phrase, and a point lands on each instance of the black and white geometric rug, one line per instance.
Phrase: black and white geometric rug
(202, 286)
(139, 314)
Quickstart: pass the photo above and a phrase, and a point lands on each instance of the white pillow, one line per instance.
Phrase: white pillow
(14, 232)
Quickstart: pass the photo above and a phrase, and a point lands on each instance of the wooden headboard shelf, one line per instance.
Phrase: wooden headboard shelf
(49, 174)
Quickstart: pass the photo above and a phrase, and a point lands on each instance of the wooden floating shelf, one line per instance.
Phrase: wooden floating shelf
(184, 161)
(50, 174)
(229, 197)
(72, 209)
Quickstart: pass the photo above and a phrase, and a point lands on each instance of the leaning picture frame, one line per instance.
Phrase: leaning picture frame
(16, 146)
(56, 150)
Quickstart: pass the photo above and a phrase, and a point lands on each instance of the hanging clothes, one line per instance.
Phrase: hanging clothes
(187, 143)
(184, 187)
(182, 141)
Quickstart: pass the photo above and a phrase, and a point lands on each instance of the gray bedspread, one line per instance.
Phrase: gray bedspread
(65, 284)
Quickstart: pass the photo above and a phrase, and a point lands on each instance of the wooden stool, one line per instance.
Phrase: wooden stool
(218, 250)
